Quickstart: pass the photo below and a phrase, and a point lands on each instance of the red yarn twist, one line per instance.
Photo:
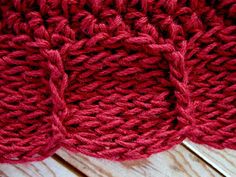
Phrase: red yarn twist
(115, 79)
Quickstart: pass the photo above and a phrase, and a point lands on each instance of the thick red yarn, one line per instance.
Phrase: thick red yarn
(117, 79)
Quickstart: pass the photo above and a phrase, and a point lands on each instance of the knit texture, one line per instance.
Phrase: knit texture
(115, 79)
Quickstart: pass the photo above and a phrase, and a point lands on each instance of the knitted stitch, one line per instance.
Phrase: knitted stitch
(116, 79)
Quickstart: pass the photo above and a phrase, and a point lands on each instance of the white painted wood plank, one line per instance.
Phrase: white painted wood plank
(222, 160)
(178, 162)
(46, 168)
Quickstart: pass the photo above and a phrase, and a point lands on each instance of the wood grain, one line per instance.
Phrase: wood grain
(222, 160)
(178, 162)
(46, 168)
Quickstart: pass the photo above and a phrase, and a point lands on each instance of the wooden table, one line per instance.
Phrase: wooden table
(187, 159)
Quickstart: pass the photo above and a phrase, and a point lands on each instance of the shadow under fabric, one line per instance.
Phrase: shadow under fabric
(119, 80)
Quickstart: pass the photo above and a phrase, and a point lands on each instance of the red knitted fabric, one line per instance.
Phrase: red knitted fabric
(117, 79)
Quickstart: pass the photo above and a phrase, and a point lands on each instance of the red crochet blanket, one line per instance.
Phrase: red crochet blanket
(116, 79)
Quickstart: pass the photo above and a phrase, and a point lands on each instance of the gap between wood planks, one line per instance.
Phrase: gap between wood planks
(223, 160)
(76, 171)
(203, 159)
(68, 166)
